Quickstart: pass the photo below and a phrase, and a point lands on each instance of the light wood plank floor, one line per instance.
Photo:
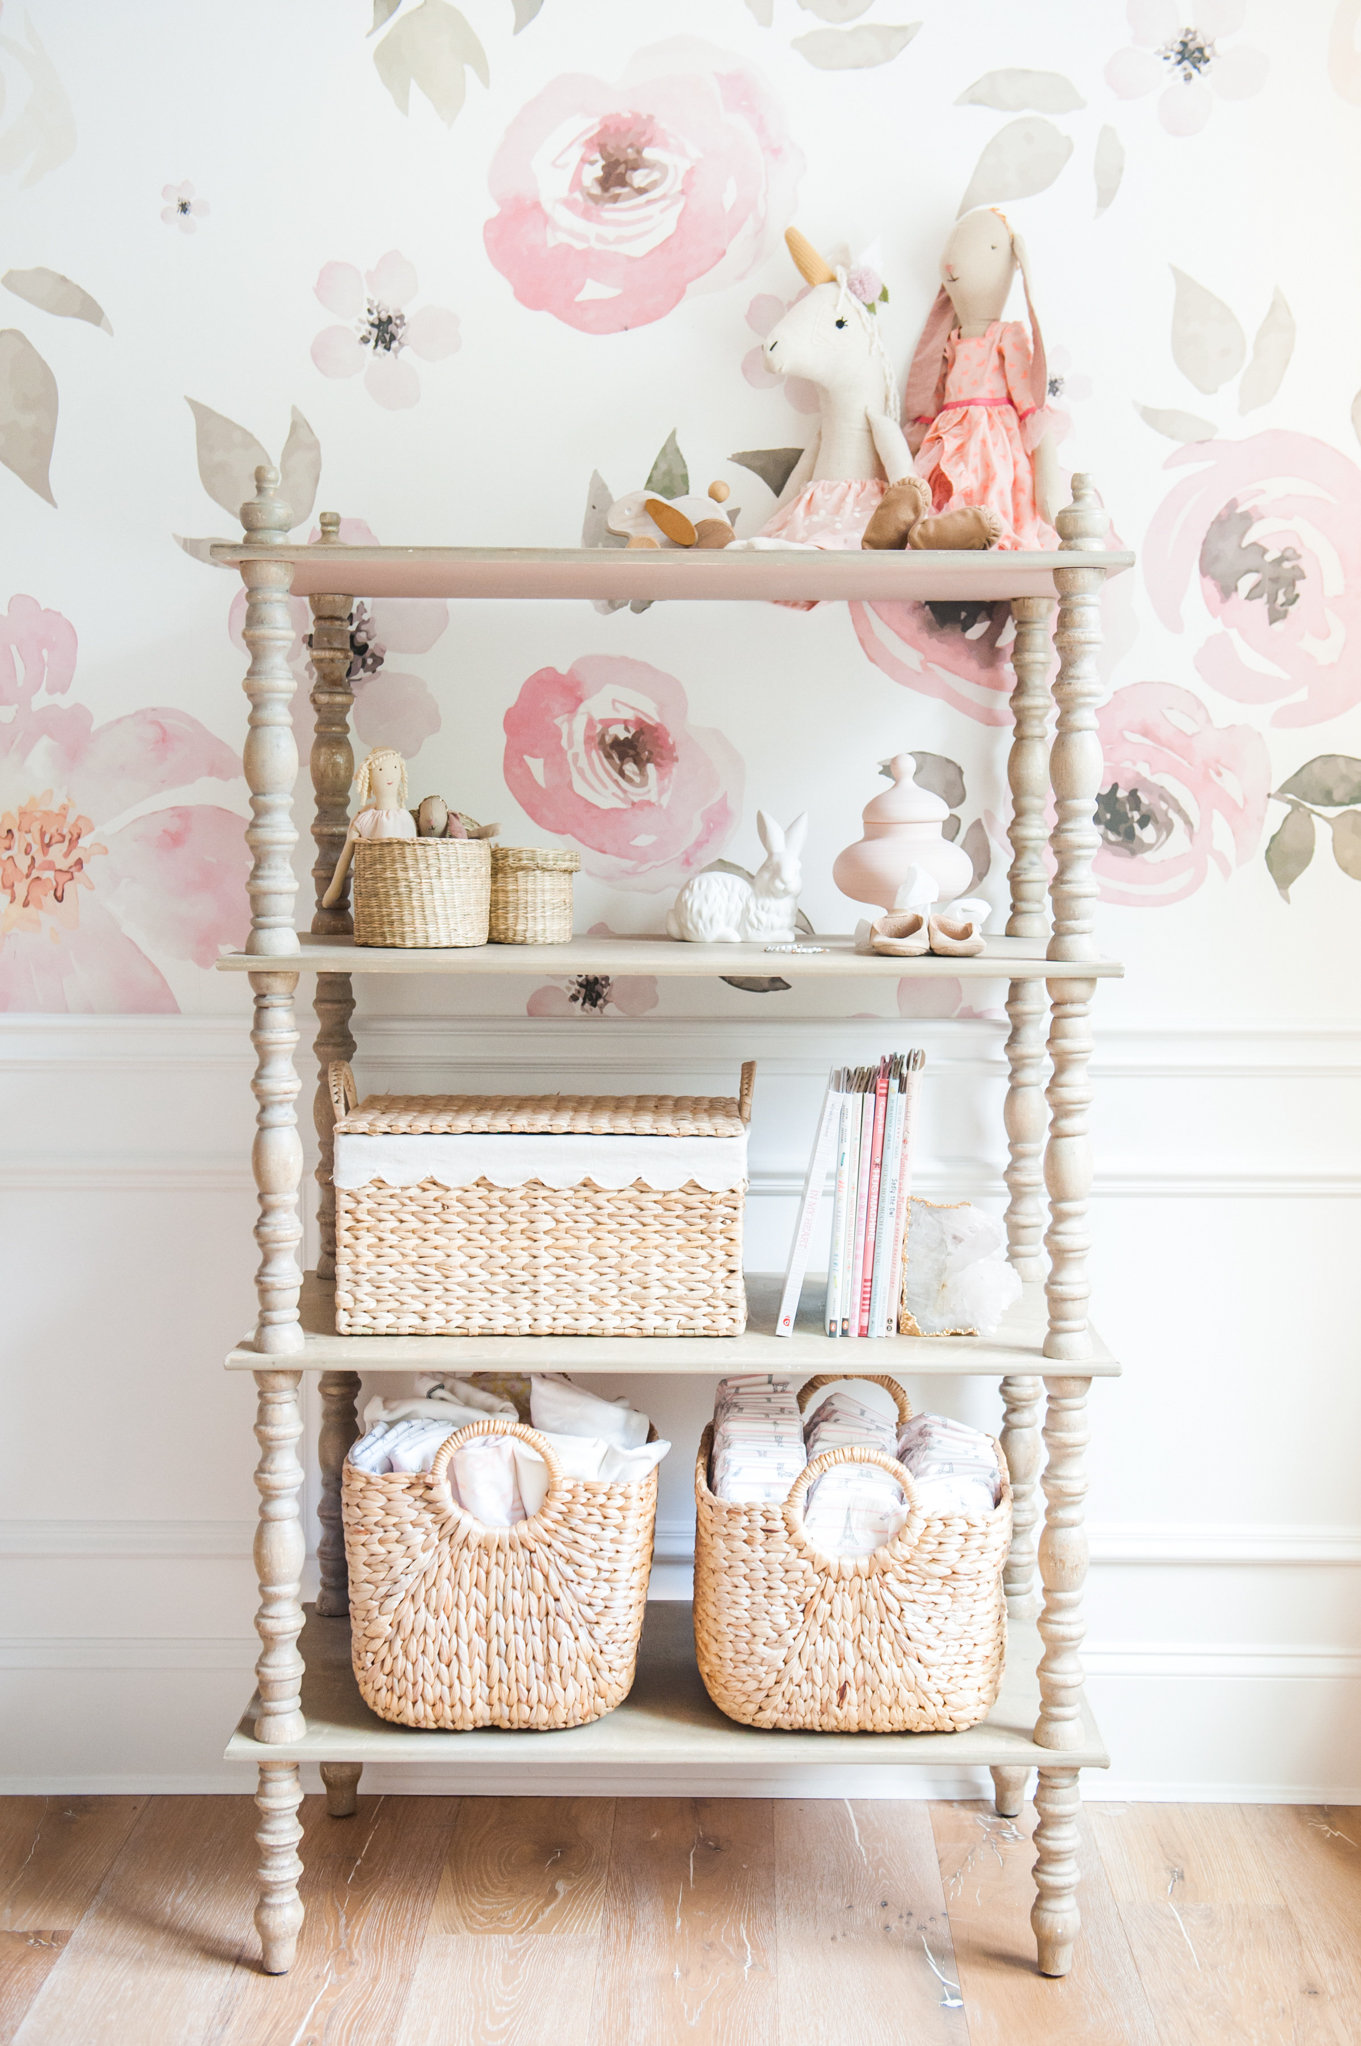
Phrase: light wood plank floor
(126, 1921)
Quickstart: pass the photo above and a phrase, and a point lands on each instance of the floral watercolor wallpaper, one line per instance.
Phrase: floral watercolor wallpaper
(469, 272)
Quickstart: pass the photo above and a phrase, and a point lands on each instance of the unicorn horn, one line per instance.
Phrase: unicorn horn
(807, 261)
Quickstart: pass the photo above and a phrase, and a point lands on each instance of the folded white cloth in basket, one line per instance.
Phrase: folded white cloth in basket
(955, 1466)
(558, 1407)
(856, 1508)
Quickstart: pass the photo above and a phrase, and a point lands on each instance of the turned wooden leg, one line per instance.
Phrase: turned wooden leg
(1054, 1915)
(1063, 1564)
(278, 1915)
(332, 766)
(339, 1428)
(1028, 778)
(342, 1787)
(1068, 1170)
(277, 1163)
(280, 1552)
(1008, 1789)
(1021, 1448)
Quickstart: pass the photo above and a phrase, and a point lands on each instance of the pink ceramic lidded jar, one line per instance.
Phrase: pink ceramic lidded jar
(902, 831)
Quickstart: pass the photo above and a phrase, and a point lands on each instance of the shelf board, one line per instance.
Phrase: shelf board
(669, 959)
(667, 1720)
(993, 575)
(1016, 1348)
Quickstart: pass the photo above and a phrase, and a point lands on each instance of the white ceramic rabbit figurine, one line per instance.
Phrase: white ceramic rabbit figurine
(727, 909)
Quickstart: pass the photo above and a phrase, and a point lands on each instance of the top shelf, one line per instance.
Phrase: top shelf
(328, 569)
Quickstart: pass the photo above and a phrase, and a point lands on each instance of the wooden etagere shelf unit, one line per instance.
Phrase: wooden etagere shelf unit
(1045, 1354)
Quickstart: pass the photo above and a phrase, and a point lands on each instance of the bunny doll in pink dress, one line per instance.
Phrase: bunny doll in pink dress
(975, 407)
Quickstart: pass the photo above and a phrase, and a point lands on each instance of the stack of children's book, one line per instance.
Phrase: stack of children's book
(863, 1146)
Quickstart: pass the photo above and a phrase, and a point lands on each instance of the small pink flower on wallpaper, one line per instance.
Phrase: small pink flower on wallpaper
(1178, 792)
(605, 755)
(391, 706)
(595, 994)
(183, 208)
(1190, 64)
(761, 315)
(381, 334)
(956, 652)
(614, 201)
(1272, 528)
(92, 885)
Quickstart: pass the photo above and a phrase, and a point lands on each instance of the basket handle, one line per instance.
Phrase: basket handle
(830, 1460)
(890, 1385)
(344, 1094)
(746, 1089)
(493, 1424)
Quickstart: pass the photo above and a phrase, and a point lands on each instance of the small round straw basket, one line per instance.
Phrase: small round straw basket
(909, 1639)
(421, 891)
(531, 894)
(455, 1625)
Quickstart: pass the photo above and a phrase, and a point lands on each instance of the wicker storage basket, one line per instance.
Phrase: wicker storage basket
(531, 894)
(909, 1639)
(421, 891)
(625, 1221)
(455, 1625)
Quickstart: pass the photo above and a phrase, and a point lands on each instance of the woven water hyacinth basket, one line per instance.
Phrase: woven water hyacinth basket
(908, 1639)
(531, 894)
(455, 1625)
(539, 1215)
(422, 891)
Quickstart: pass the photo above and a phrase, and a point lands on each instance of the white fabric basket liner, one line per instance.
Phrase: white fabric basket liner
(718, 1164)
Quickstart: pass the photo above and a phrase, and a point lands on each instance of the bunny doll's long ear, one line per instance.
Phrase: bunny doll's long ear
(770, 834)
(924, 374)
(1039, 367)
(796, 833)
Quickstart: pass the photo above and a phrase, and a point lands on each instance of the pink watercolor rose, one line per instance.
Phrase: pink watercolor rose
(381, 334)
(1190, 65)
(391, 706)
(615, 201)
(1272, 527)
(92, 882)
(957, 652)
(1177, 793)
(605, 755)
(595, 994)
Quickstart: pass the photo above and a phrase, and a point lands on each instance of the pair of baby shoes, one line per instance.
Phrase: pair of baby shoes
(907, 934)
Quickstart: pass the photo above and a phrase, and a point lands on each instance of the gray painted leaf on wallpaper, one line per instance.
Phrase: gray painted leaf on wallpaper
(228, 457)
(525, 11)
(431, 48)
(42, 134)
(200, 550)
(1015, 91)
(1272, 348)
(978, 846)
(774, 466)
(1023, 158)
(764, 11)
(1347, 842)
(1290, 851)
(1208, 344)
(855, 49)
(1108, 167)
(1176, 425)
(943, 777)
(669, 476)
(53, 293)
(300, 468)
(595, 533)
(774, 986)
(28, 412)
(837, 10)
(383, 10)
(1330, 781)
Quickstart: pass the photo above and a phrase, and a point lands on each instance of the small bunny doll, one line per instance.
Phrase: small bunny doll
(727, 909)
(381, 786)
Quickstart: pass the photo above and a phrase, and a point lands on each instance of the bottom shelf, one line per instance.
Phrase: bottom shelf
(667, 1719)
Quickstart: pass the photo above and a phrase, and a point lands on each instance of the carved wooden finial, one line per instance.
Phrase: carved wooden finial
(265, 517)
(330, 528)
(1085, 522)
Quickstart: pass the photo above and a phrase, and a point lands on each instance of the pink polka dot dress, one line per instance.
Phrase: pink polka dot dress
(977, 445)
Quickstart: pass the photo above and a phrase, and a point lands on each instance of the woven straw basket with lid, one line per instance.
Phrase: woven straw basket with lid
(909, 1639)
(421, 891)
(455, 1625)
(531, 894)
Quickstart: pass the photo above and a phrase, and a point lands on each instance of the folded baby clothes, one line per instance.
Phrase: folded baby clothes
(855, 1508)
(758, 1439)
(558, 1407)
(955, 1467)
(451, 1400)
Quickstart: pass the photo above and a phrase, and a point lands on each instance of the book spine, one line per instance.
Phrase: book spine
(845, 1280)
(834, 1253)
(814, 1181)
(880, 1318)
(915, 1062)
(872, 1202)
(862, 1198)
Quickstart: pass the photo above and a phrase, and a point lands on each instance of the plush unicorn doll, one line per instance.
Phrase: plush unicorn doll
(831, 337)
